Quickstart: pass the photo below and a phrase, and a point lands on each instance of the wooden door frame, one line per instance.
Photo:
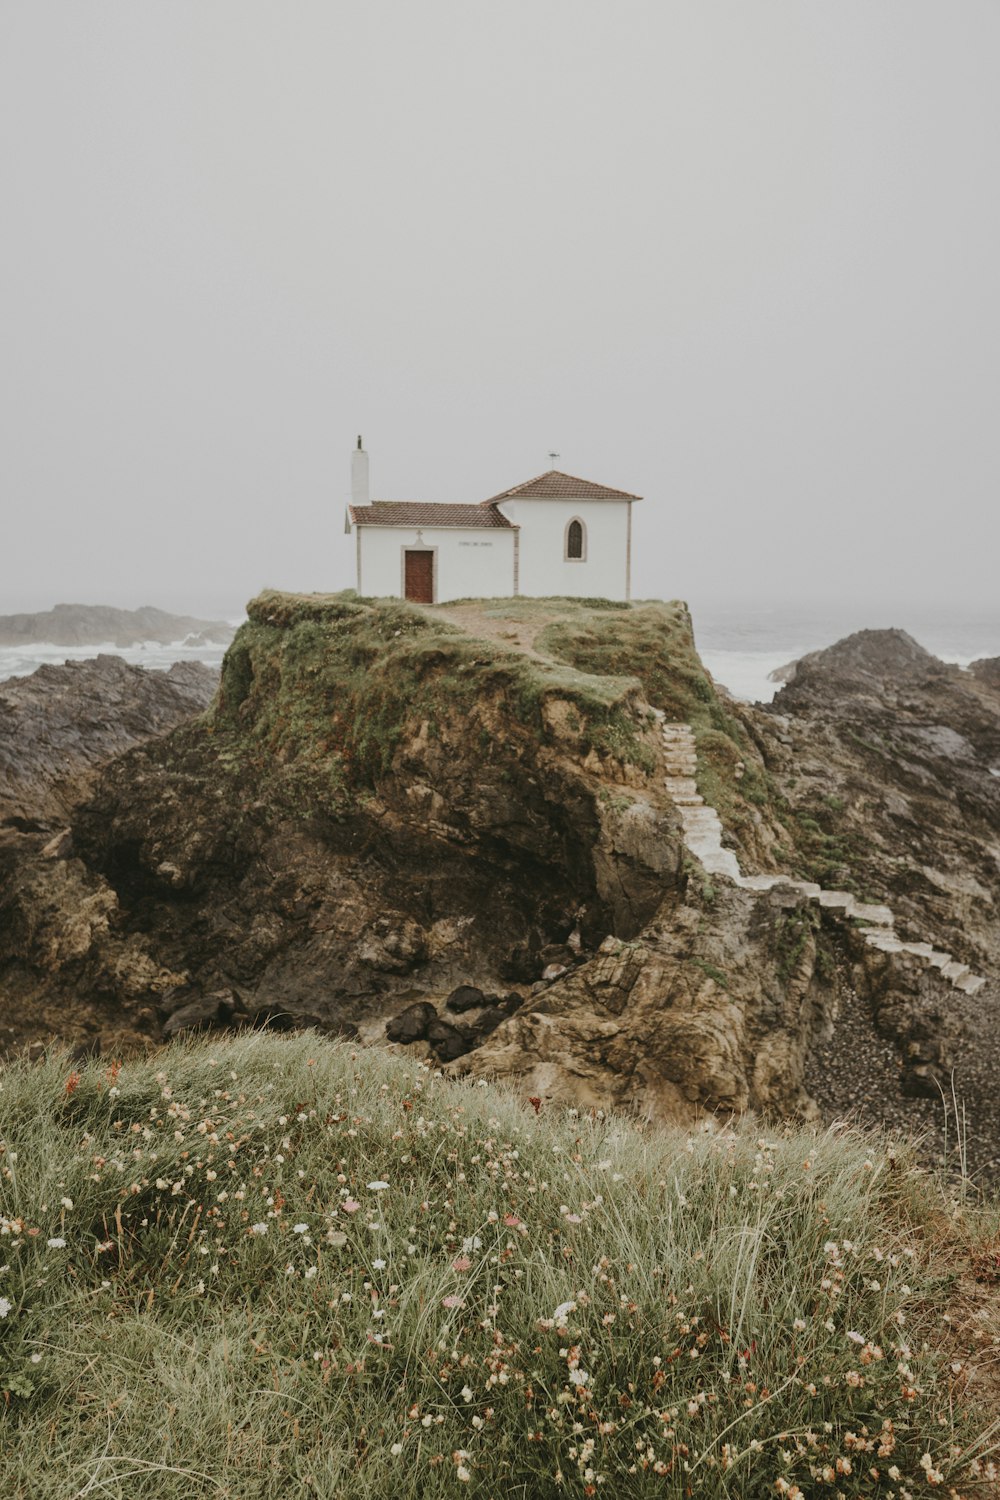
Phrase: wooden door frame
(419, 547)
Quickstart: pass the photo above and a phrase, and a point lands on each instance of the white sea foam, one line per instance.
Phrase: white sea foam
(20, 661)
(746, 673)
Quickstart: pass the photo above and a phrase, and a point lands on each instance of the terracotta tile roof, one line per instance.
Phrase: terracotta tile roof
(557, 486)
(427, 513)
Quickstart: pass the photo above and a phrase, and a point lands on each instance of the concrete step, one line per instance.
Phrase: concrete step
(919, 950)
(694, 801)
(721, 862)
(841, 901)
(699, 821)
(970, 984)
(701, 843)
(955, 971)
(885, 943)
(681, 786)
(879, 915)
(759, 882)
(807, 887)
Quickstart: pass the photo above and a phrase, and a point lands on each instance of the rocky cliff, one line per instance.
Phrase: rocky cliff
(455, 823)
(61, 724)
(377, 806)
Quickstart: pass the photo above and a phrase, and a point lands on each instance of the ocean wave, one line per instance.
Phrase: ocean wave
(21, 661)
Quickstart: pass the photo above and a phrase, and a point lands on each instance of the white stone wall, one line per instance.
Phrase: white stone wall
(543, 568)
(477, 563)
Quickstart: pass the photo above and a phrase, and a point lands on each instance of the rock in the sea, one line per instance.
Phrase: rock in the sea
(102, 625)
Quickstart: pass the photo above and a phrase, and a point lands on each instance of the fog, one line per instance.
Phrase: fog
(738, 258)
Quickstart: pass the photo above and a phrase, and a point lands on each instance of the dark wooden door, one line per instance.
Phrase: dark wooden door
(419, 577)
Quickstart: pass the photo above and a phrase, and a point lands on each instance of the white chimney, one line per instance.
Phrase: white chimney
(359, 476)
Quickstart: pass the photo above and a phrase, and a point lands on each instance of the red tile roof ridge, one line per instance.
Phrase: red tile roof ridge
(555, 485)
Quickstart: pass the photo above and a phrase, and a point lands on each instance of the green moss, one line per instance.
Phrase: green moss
(794, 930)
(332, 685)
(713, 973)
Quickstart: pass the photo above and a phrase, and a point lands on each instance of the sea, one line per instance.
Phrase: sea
(742, 645)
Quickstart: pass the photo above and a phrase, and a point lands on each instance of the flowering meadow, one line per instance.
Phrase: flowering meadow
(283, 1266)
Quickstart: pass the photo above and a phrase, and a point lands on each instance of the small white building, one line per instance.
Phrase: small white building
(551, 535)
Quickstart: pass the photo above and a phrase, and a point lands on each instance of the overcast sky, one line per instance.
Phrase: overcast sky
(739, 256)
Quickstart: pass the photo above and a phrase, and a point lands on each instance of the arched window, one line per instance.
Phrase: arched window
(575, 548)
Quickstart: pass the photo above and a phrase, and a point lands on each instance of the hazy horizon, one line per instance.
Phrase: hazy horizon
(739, 259)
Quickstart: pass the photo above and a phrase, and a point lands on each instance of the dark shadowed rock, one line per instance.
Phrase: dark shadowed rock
(465, 997)
(447, 1041)
(556, 953)
(205, 1011)
(411, 1025)
(486, 1022)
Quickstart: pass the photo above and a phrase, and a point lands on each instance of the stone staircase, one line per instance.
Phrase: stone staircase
(703, 838)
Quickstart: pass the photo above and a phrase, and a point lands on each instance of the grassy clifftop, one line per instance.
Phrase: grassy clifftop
(257, 1267)
(337, 682)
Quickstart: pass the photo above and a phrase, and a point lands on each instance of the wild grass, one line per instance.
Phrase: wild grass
(262, 1266)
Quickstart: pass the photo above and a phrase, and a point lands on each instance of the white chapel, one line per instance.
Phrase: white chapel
(550, 535)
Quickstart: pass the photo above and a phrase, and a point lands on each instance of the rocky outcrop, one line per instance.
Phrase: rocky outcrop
(712, 1008)
(987, 670)
(377, 806)
(61, 724)
(58, 727)
(102, 625)
(883, 756)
